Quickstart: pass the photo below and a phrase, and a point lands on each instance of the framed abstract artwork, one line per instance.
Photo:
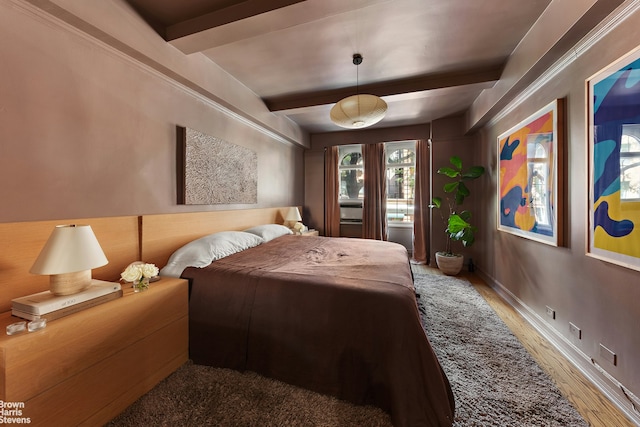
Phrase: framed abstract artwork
(613, 102)
(529, 188)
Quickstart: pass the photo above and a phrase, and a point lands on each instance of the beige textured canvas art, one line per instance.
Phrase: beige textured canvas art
(213, 171)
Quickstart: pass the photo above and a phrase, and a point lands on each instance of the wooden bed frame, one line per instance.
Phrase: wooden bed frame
(161, 235)
(151, 238)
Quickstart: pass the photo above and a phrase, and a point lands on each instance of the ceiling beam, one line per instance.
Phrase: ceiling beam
(489, 74)
(249, 25)
(236, 12)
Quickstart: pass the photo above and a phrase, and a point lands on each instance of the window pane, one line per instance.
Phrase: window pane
(352, 184)
(400, 181)
(351, 159)
(351, 169)
(401, 156)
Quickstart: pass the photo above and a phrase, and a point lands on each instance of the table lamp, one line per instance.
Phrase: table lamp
(293, 216)
(68, 257)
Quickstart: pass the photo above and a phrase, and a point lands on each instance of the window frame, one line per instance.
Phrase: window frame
(390, 148)
(344, 151)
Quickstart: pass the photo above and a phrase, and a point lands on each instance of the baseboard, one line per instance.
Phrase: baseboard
(622, 398)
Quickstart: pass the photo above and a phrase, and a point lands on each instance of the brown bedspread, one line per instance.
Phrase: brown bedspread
(333, 315)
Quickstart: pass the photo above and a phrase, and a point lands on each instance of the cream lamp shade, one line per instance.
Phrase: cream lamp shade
(359, 110)
(293, 215)
(68, 257)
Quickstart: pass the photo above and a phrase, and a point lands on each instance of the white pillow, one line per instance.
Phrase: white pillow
(203, 251)
(269, 231)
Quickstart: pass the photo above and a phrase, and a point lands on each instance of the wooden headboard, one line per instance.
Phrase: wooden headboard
(162, 234)
(151, 238)
(21, 242)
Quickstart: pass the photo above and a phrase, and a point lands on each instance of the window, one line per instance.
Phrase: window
(401, 171)
(351, 168)
(630, 163)
(400, 175)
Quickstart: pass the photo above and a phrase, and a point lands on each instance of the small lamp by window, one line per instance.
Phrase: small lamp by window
(68, 257)
(292, 217)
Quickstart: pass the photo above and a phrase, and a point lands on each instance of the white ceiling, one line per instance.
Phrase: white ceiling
(427, 58)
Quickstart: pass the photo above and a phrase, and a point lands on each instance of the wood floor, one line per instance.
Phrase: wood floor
(594, 407)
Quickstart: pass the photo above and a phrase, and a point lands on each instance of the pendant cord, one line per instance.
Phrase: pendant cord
(358, 88)
(357, 80)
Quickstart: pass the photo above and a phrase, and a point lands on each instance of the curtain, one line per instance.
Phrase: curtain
(421, 204)
(331, 192)
(374, 214)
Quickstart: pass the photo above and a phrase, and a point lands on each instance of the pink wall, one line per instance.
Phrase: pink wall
(447, 141)
(88, 131)
(598, 297)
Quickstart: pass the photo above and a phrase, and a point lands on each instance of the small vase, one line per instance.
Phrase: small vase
(141, 285)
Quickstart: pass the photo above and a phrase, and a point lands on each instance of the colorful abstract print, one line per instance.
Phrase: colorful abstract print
(515, 192)
(616, 103)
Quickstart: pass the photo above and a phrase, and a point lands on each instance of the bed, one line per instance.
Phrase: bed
(333, 315)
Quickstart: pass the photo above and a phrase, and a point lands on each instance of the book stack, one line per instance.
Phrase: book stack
(45, 305)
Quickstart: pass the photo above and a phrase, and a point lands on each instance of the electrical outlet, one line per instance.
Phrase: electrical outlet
(551, 312)
(608, 355)
(575, 331)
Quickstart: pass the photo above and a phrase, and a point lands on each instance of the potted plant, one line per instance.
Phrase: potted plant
(457, 223)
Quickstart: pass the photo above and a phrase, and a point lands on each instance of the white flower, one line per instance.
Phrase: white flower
(135, 272)
(132, 273)
(149, 270)
(298, 226)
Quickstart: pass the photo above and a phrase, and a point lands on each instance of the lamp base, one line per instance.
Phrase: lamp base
(69, 283)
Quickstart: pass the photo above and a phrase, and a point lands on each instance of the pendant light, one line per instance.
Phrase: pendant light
(359, 110)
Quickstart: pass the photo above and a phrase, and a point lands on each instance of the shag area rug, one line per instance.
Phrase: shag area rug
(199, 396)
(494, 380)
